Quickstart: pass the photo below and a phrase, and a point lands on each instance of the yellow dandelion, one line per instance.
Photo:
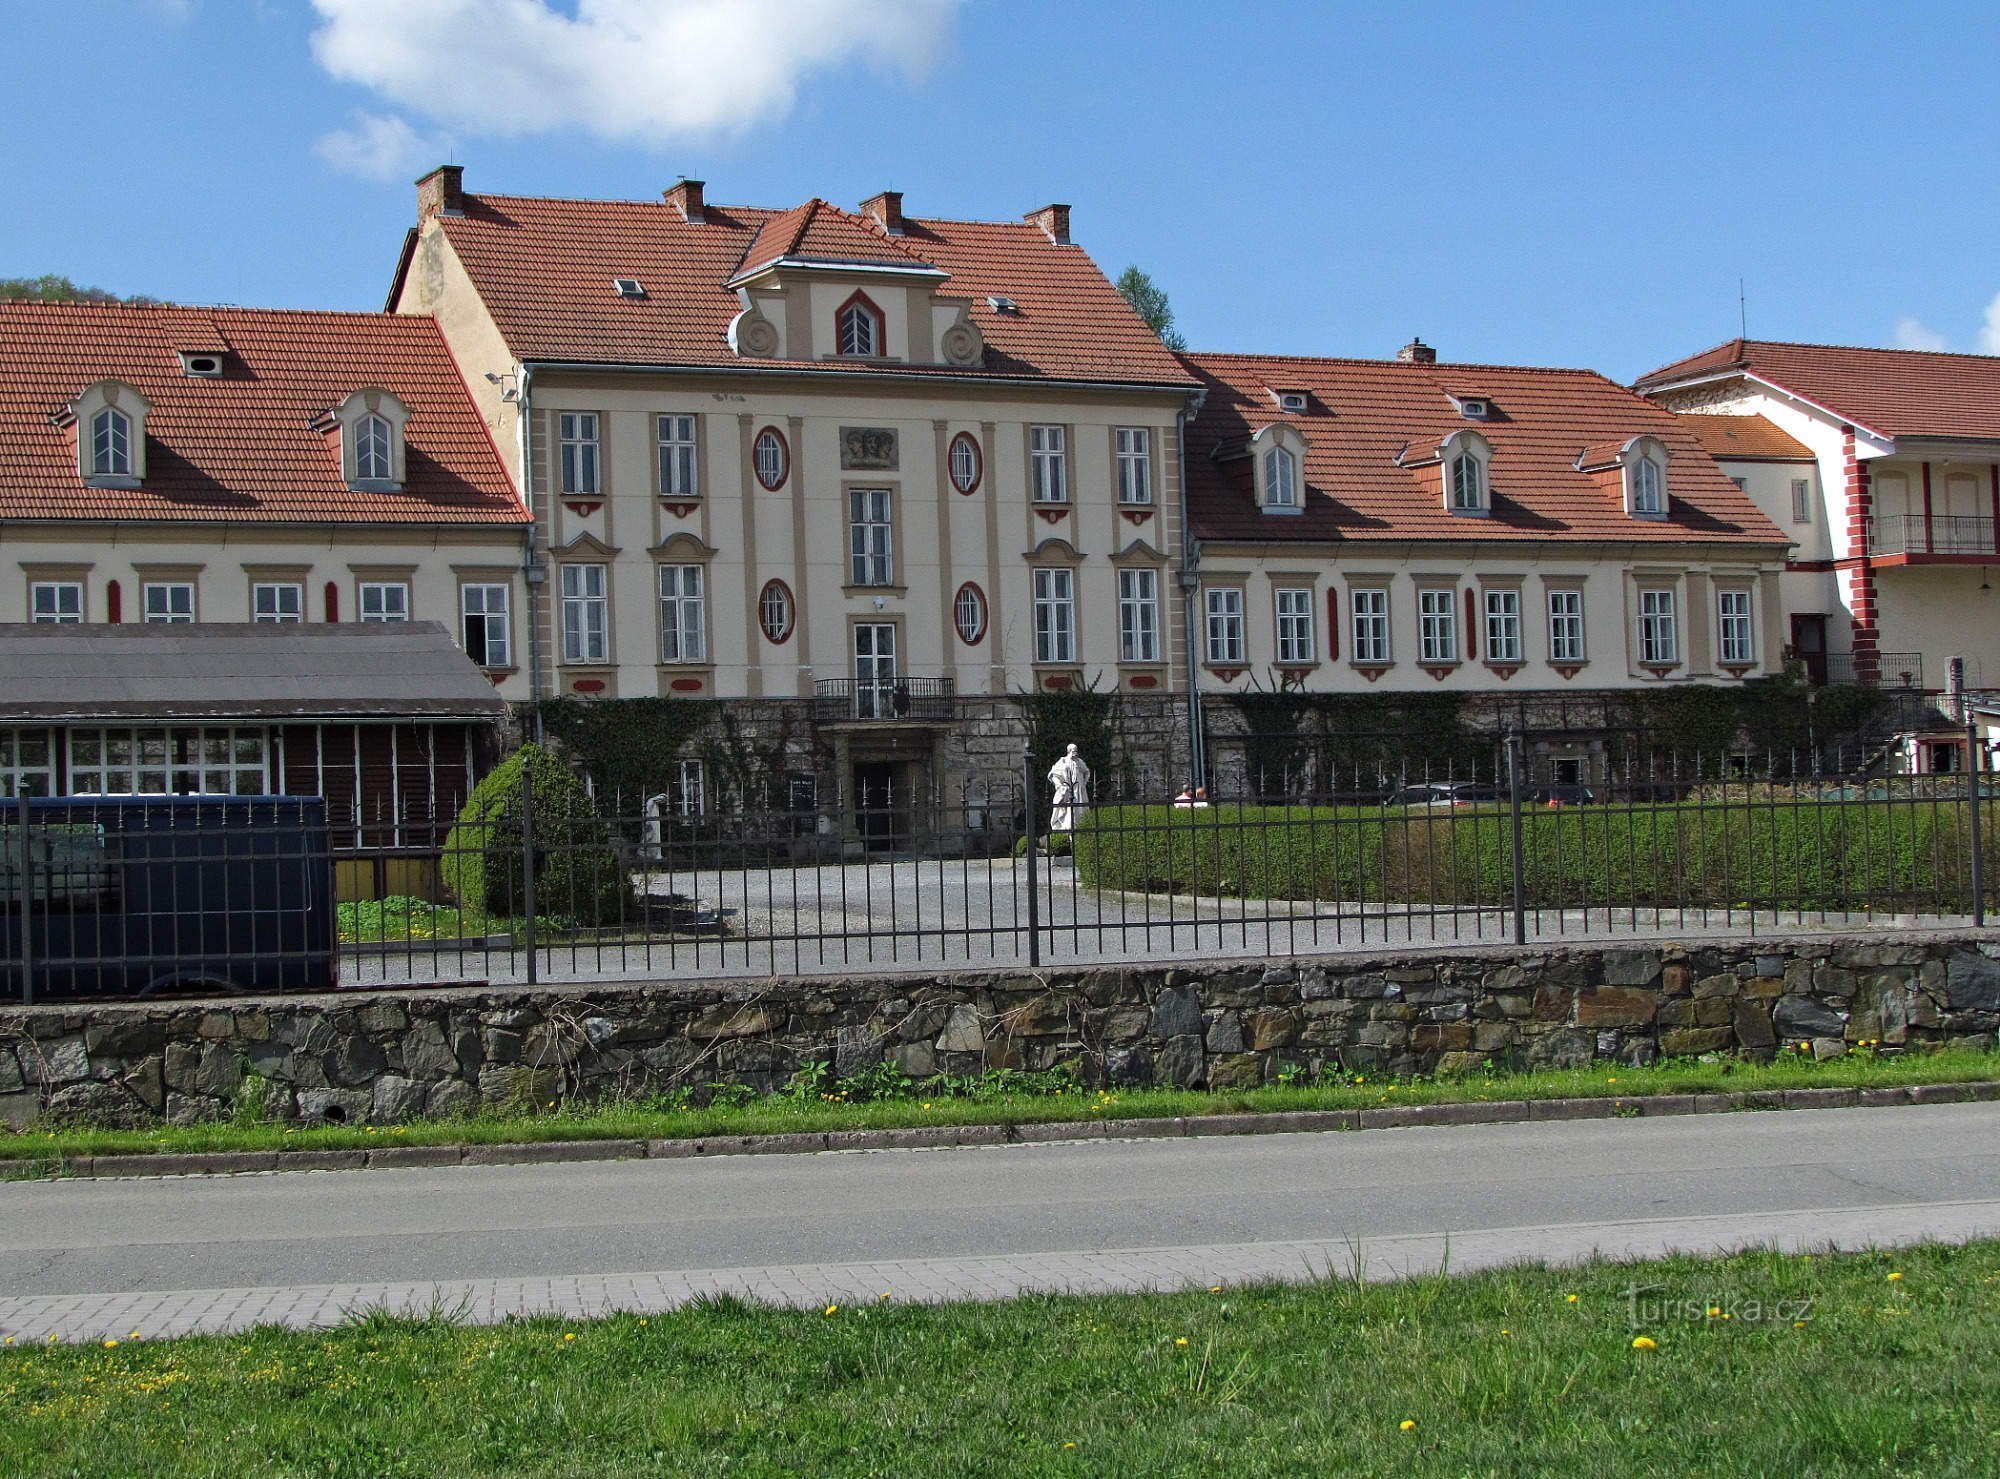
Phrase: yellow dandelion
(570, 1336)
(885, 1296)
(111, 1345)
(1727, 1316)
(1644, 1343)
(1506, 1332)
(1895, 1278)
(1180, 1340)
(133, 1336)
(1214, 1288)
(1715, 1312)
(645, 1322)
(833, 1309)
(1069, 1445)
(1569, 1299)
(1798, 1324)
(1408, 1424)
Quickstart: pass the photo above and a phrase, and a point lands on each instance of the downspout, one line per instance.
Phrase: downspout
(1190, 589)
(532, 573)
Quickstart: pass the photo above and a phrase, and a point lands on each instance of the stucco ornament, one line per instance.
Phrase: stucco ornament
(753, 336)
(1071, 778)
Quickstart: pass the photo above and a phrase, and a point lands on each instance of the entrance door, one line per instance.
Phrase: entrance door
(875, 670)
(879, 805)
(1809, 642)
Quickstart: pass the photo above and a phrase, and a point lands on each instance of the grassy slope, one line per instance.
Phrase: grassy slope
(625, 1119)
(1501, 1373)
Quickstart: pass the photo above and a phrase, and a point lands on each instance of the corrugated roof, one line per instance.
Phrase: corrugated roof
(543, 267)
(1363, 413)
(217, 670)
(1746, 439)
(240, 447)
(1894, 392)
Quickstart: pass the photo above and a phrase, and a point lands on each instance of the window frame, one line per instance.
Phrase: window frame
(771, 480)
(277, 618)
(970, 444)
(1297, 634)
(374, 449)
(1276, 458)
(871, 540)
(580, 459)
(1132, 461)
(677, 457)
(1659, 627)
(1802, 501)
(776, 592)
(362, 590)
(1745, 621)
(146, 751)
(1437, 626)
(485, 657)
(583, 603)
(1138, 614)
(970, 597)
(690, 788)
(859, 308)
(683, 613)
(1504, 632)
(111, 443)
(1369, 632)
(167, 615)
(1223, 627)
(1048, 463)
(1053, 589)
(1468, 495)
(56, 616)
(1561, 624)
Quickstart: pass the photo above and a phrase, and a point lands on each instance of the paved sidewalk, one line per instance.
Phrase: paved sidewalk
(159, 1314)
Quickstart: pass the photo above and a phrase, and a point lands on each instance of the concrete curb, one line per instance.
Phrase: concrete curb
(921, 1137)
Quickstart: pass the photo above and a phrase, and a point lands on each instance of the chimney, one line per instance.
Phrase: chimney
(1054, 221)
(1416, 352)
(685, 197)
(886, 208)
(438, 193)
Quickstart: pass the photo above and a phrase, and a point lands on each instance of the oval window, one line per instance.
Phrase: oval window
(773, 458)
(969, 614)
(774, 610)
(964, 462)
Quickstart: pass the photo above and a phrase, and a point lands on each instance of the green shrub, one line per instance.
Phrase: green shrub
(578, 873)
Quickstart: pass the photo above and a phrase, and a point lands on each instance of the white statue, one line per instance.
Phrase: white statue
(1071, 778)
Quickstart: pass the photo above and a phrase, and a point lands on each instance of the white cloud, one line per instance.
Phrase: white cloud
(1914, 333)
(1989, 332)
(639, 71)
(380, 146)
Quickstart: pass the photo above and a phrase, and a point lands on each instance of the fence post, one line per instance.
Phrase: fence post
(25, 865)
(1028, 799)
(1972, 769)
(528, 858)
(1514, 815)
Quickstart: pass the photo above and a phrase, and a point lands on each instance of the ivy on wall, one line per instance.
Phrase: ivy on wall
(1356, 740)
(1780, 721)
(1084, 717)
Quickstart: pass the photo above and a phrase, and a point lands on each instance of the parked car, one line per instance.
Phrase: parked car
(1446, 793)
(1563, 795)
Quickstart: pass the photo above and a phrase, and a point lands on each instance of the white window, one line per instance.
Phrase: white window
(111, 443)
(679, 477)
(1055, 616)
(1801, 501)
(277, 601)
(1733, 614)
(772, 458)
(577, 432)
(1294, 609)
(774, 610)
(1138, 616)
(1050, 466)
(586, 614)
(683, 629)
(965, 462)
(871, 544)
(690, 789)
(1503, 626)
(1648, 487)
(56, 602)
(1565, 626)
(1437, 625)
(1281, 478)
(1225, 624)
(860, 328)
(178, 761)
(168, 601)
(385, 600)
(1135, 464)
(1468, 484)
(27, 763)
(374, 450)
(877, 692)
(483, 622)
(1659, 642)
(968, 613)
(1370, 607)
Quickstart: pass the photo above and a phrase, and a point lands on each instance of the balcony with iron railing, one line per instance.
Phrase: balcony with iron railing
(1930, 536)
(1891, 670)
(883, 701)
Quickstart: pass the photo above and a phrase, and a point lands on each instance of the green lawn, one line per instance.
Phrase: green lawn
(1878, 1363)
(883, 1099)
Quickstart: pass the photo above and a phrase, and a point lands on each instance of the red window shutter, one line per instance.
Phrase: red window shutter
(114, 603)
(1332, 625)
(332, 601)
(1471, 625)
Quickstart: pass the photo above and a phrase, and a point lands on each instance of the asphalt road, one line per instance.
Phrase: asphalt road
(952, 1223)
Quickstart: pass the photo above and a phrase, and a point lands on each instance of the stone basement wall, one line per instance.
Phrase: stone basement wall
(385, 1056)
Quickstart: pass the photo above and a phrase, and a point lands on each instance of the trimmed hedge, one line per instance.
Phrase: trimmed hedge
(578, 873)
(1780, 855)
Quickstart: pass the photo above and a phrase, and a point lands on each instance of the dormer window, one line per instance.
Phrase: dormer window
(1464, 458)
(858, 328)
(1474, 407)
(1277, 456)
(628, 287)
(1645, 460)
(1291, 402)
(371, 424)
(203, 363)
(110, 422)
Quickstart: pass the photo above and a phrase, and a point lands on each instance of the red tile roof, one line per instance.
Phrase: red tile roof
(1893, 392)
(242, 447)
(1365, 412)
(1746, 439)
(544, 269)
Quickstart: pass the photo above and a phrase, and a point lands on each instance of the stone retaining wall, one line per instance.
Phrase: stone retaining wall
(388, 1056)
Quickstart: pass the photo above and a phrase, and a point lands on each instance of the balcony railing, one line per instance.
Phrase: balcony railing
(1892, 670)
(1940, 534)
(886, 700)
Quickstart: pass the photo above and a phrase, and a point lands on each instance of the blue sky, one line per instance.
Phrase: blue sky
(1555, 184)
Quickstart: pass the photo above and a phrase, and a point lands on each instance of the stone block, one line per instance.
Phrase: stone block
(1753, 1026)
(1631, 967)
(1225, 1033)
(1047, 1015)
(354, 1062)
(1613, 1005)
(962, 1032)
(1721, 984)
(332, 1106)
(1674, 979)
(728, 1020)
(450, 1098)
(1685, 1042)
(1182, 1063)
(426, 1054)
(1440, 1037)
(396, 1099)
(1972, 982)
(1270, 1029)
(1798, 1018)
(515, 1087)
(1176, 1013)
(1235, 1071)
(917, 1059)
(855, 1049)
(146, 1082)
(62, 1061)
